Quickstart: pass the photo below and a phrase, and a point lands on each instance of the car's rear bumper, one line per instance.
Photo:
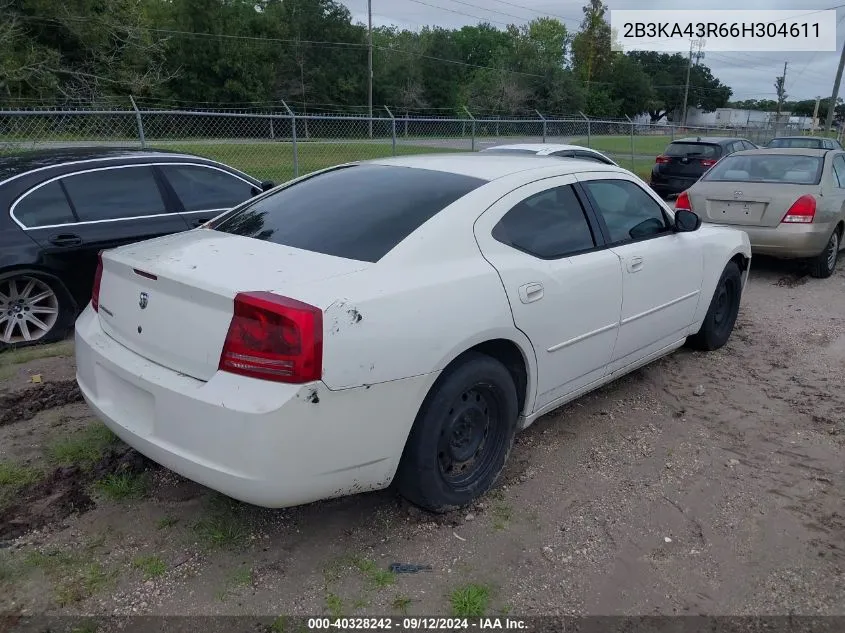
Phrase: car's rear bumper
(261, 442)
(670, 186)
(789, 241)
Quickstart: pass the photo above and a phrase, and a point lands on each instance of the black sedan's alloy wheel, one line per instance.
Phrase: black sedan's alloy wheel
(30, 310)
(462, 435)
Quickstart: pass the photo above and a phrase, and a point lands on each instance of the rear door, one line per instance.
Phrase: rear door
(109, 206)
(563, 286)
(204, 191)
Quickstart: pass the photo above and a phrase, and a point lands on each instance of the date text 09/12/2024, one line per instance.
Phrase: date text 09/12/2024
(416, 624)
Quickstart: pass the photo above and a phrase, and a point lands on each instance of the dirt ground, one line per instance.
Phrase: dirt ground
(705, 483)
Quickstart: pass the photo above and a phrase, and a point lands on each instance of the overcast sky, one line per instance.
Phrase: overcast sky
(751, 75)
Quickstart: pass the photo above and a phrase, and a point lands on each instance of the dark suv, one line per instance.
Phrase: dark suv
(684, 161)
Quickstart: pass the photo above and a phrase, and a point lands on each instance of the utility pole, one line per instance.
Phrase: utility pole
(698, 55)
(835, 94)
(780, 97)
(815, 114)
(686, 87)
(370, 61)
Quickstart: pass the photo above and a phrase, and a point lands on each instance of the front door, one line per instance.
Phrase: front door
(661, 270)
(564, 288)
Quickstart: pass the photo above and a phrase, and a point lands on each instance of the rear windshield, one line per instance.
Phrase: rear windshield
(699, 150)
(358, 212)
(801, 143)
(775, 168)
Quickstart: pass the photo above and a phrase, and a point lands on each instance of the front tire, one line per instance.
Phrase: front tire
(462, 435)
(722, 313)
(823, 266)
(33, 309)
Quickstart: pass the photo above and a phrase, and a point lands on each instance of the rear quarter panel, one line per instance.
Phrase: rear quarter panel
(426, 302)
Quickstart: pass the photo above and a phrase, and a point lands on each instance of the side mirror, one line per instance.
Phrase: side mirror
(686, 221)
(267, 185)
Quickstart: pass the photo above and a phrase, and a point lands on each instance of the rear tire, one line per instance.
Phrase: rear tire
(462, 435)
(34, 309)
(823, 266)
(722, 313)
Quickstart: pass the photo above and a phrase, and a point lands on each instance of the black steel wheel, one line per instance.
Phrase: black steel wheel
(462, 435)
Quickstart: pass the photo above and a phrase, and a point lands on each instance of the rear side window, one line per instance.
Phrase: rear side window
(44, 206)
(114, 194)
(774, 168)
(549, 224)
(698, 150)
(799, 143)
(359, 212)
(839, 170)
(205, 188)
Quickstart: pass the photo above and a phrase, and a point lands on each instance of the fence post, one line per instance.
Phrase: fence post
(140, 123)
(293, 138)
(473, 126)
(393, 128)
(543, 119)
(632, 141)
(586, 118)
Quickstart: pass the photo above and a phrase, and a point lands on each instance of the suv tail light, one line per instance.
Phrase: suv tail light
(274, 338)
(802, 211)
(95, 292)
(661, 160)
(707, 162)
(683, 202)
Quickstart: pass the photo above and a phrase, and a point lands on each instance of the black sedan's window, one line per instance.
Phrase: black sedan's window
(114, 194)
(203, 188)
(44, 206)
(359, 212)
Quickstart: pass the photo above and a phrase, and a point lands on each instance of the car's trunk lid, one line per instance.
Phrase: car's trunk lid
(170, 300)
(744, 203)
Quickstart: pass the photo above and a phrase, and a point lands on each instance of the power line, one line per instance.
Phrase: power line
(469, 15)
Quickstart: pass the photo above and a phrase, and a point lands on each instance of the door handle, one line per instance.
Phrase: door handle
(530, 292)
(66, 239)
(635, 264)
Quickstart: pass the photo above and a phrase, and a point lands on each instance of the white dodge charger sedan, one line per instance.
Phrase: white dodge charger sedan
(397, 320)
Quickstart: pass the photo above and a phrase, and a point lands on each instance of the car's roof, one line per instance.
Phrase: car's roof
(540, 147)
(16, 164)
(713, 140)
(792, 151)
(490, 166)
(801, 136)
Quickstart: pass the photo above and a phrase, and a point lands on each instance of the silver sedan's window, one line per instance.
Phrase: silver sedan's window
(774, 168)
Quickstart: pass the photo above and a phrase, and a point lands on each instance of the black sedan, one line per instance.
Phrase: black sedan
(58, 209)
(684, 161)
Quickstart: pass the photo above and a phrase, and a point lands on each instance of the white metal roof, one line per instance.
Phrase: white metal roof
(490, 166)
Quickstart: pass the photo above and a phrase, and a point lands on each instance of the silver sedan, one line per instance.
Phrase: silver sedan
(790, 202)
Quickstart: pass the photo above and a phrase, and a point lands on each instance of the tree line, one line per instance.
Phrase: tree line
(310, 53)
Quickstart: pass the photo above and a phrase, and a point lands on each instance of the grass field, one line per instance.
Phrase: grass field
(274, 161)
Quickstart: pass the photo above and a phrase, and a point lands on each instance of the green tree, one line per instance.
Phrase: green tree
(668, 76)
(591, 53)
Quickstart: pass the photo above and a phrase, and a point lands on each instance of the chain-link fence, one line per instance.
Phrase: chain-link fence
(280, 145)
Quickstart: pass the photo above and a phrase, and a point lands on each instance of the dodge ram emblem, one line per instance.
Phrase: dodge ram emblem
(143, 300)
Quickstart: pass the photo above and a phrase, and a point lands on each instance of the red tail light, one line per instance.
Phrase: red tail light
(274, 338)
(803, 211)
(95, 292)
(683, 202)
(661, 160)
(707, 162)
